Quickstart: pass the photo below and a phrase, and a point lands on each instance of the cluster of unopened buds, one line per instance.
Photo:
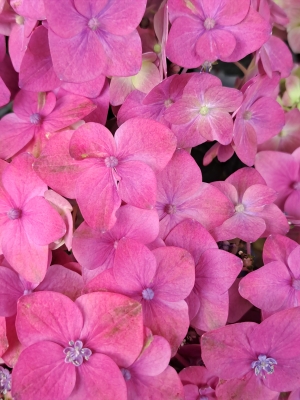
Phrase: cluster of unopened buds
(123, 275)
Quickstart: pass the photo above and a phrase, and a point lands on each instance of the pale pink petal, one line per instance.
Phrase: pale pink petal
(258, 196)
(243, 178)
(29, 374)
(119, 89)
(215, 44)
(294, 39)
(113, 325)
(48, 316)
(278, 248)
(245, 142)
(223, 98)
(276, 222)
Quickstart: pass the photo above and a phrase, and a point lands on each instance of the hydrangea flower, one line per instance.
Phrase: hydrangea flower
(198, 383)
(255, 361)
(77, 345)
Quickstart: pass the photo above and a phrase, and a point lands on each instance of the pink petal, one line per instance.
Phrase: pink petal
(15, 245)
(225, 357)
(245, 142)
(257, 286)
(151, 142)
(57, 168)
(278, 248)
(175, 274)
(90, 9)
(279, 56)
(243, 178)
(222, 97)
(3, 338)
(113, 325)
(63, 280)
(129, 267)
(102, 191)
(137, 185)
(276, 222)
(48, 316)
(98, 376)
(29, 374)
(41, 222)
(191, 235)
(258, 196)
(119, 89)
(11, 289)
(215, 44)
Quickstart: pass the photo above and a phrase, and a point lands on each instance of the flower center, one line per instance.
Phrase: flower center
(5, 380)
(239, 208)
(204, 110)
(35, 118)
(247, 115)
(126, 373)
(148, 294)
(296, 185)
(93, 24)
(263, 365)
(14, 213)
(209, 23)
(170, 209)
(111, 162)
(168, 103)
(75, 353)
(296, 284)
(157, 48)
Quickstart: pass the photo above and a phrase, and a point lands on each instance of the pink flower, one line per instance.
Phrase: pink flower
(279, 276)
(102, 31)
(215, 271)
(36, 116)
(78, 346)
(255, 360)
(281, 172)
(253, 213)
(206, 31)
(182, 194)
(156, 280)
(96, 250)
(202, 113)
(258, 119)
(28, 222)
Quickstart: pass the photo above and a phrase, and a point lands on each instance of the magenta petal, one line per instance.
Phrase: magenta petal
(215, 44)
(117, 48)
(245, 142)
(137, 185)
(98, 376)
(293, 262)
(278, 248)
(258, 196)
(57, 168)
(101, 192)
(91, 8)
(129, 267)
(29, 374)
(134, 144)
(175, 275)
(225, 357)
(16, 244)
(41, 222)
(191, 235)
(167, 319)
(92, 140)
(48, 316)
(113, 325)
(243, 178)
(11, 289)
(15, 134)
(272, 278)
(63, 280)
(154, 358)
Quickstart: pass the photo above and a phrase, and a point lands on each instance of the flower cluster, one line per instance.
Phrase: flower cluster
(126, 271)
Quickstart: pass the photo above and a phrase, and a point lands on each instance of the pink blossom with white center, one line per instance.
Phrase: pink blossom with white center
(103, 31)
(259, 118)
(253, 213)
(156, 280)
(182, 194)
(255, 361)
(28, 222)
(78, 346)
(109, 169)
(202, 113)
(206, 31)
